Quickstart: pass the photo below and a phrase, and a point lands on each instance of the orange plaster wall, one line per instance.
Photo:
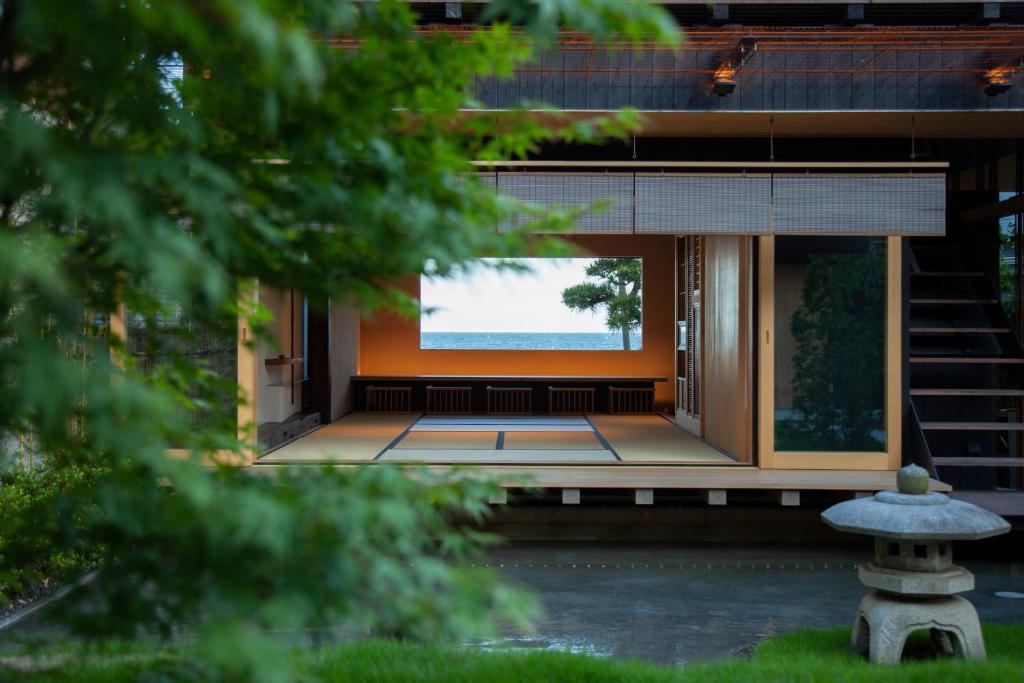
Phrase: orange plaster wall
(390, 345)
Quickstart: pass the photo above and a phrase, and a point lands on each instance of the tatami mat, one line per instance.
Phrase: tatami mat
(552, 440)
(496, 420)
(450, 440)
(357, 437)
(505, 427)
(505, 456)
(651, 438)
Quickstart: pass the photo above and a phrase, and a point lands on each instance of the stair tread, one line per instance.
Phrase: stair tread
(960, 330)
(975, 426)
(967, 359)
(952, 302)
(1005, 503)
(978, 461)
(967, 392)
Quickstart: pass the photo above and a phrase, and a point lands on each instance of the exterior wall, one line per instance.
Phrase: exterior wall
(806, 73)
(390, 345)
(344, 357)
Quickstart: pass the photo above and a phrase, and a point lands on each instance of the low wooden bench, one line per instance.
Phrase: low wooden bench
(630, 401)
(571, 400)
(509, 400)
(449, 400)
(388, 400)
(509, 394)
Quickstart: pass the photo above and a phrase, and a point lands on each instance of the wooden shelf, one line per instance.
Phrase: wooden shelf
(282, 360)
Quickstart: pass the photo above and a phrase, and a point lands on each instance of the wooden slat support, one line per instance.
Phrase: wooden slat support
(717, 497)
(570, 496)
(789, 498)
(645, 496)
(499, 497)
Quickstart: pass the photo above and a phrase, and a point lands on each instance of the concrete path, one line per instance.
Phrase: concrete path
(673, 605)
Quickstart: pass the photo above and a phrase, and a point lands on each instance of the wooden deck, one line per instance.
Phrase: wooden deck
(655, 455)
(674, 477)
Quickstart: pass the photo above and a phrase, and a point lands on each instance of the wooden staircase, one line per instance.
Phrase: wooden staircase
(966, 376)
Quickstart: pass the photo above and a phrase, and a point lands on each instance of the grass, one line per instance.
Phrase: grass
(803, 656)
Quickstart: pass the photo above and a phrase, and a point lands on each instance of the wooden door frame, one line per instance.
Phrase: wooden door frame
(768, 457)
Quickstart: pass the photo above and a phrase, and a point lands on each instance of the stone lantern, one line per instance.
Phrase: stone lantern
(913, 576)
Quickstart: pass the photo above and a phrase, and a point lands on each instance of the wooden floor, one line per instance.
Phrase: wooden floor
(611, 440)
(655, 455)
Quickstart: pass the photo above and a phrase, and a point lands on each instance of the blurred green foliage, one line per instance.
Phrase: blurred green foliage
(311, 144)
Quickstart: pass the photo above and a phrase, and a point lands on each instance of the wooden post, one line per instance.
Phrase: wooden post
(247, 374)
(118, 330)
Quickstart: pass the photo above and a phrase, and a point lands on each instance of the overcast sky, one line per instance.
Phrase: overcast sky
(488, 301)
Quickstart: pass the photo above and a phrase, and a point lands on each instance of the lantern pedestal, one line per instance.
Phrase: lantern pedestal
(884, 621)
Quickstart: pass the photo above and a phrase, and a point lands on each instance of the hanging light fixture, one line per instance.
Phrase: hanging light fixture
(724, 81)
(997, 80)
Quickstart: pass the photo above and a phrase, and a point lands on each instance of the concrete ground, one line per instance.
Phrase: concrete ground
(672, 605)
(679, 603)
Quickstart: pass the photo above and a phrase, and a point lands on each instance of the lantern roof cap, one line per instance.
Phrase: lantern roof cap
(913, 512)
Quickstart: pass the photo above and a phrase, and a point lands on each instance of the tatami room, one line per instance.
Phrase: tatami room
(569, 361)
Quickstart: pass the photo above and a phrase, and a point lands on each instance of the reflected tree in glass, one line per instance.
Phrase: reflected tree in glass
(839, 363)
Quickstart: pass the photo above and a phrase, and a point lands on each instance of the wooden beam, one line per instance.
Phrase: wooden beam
(623, 476)
(950, 123)
(766, 352)
(657, 165)
(894, 352)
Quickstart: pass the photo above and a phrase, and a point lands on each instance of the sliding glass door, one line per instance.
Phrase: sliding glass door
(829, 345)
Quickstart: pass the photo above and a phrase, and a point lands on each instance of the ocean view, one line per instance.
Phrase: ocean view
(529, 341)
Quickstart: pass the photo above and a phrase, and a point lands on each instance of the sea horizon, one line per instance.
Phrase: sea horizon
(529, 341)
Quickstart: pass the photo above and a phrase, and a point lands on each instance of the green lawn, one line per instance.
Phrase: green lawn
(805, 656)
